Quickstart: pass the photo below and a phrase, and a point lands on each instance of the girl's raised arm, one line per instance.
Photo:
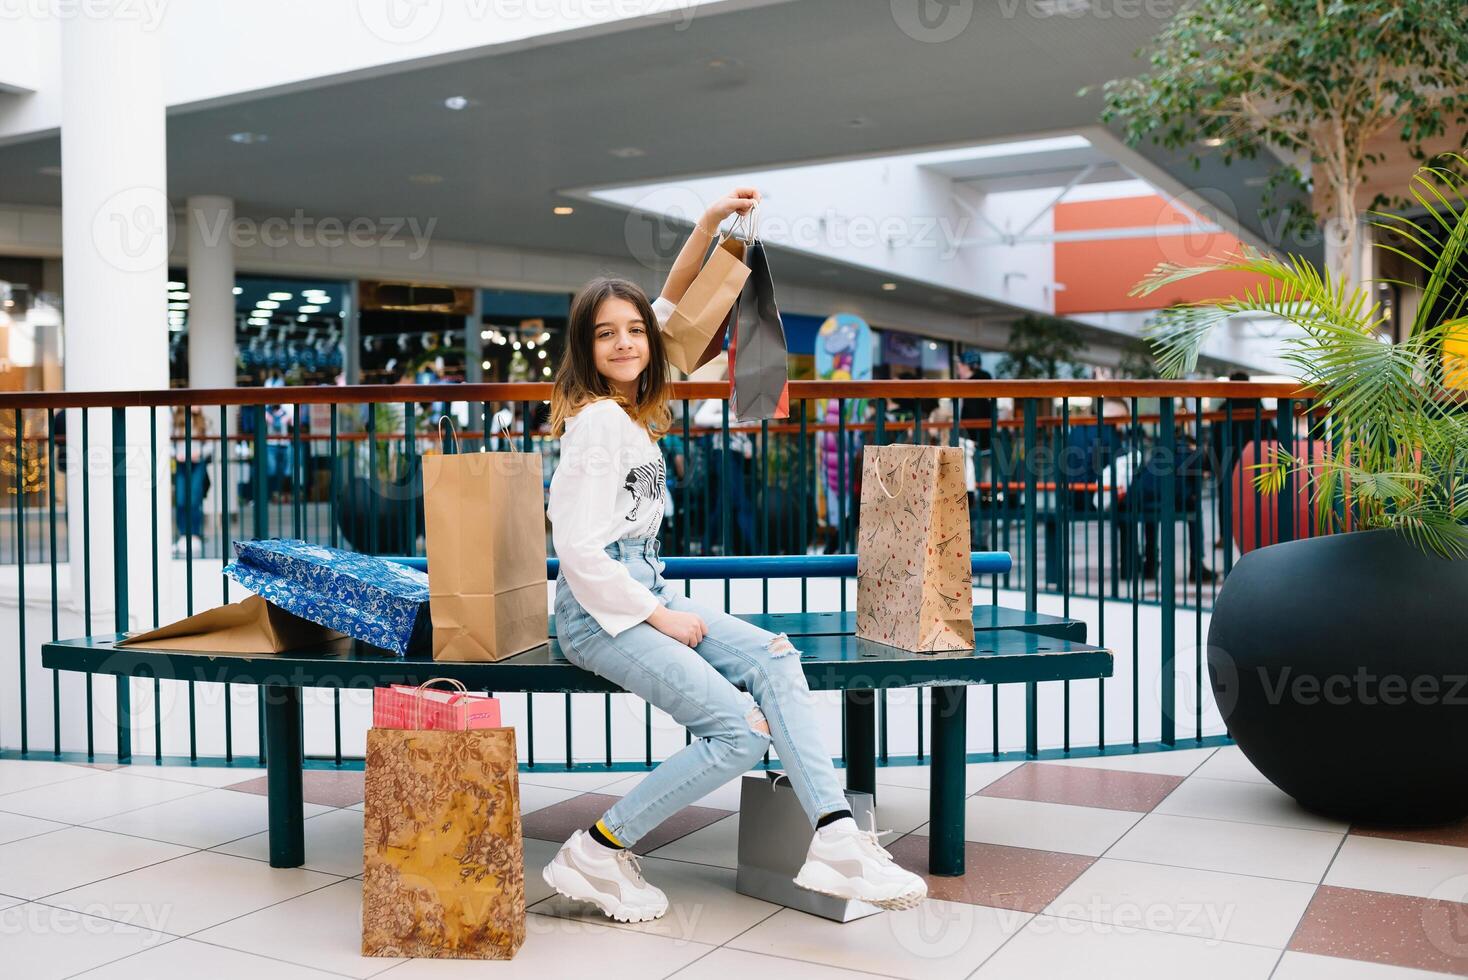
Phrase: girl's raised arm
(690, 257)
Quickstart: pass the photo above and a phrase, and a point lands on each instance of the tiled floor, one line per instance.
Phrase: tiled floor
(1182, 864)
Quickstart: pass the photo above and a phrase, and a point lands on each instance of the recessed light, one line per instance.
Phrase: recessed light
(175, 284)
(563, 209)
(425, 178)
(458, 102)
(248, 138)
(266, 304)
(485, 365)
(237, 290)
(312, 308)
(178, 295)
(1213, 141)
(279, 296)
(889, 286)
(627, 152)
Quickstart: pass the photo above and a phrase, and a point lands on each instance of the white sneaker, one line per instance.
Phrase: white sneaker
(845, 861)
(587, 871)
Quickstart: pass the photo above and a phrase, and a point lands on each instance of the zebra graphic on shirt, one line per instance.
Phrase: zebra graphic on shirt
(644, 482)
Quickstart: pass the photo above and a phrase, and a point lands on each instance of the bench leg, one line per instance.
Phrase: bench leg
(283, 776)
(948, 780)
(861, 741)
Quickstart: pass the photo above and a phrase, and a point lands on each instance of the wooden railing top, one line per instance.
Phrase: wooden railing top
(693, 390)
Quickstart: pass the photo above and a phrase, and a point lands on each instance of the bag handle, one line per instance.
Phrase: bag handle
(418, 699)
(452, 431)
(902, 467)
(746, 219)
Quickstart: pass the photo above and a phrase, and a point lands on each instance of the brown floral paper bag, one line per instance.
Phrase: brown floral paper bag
(914, 587)
(445, 871)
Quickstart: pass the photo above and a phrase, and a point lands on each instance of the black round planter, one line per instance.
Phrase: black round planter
(1340, 665)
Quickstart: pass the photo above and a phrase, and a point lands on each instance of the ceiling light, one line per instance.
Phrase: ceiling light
(178, 295)
(516, 345)
(563, 209)
(266, 304)
(545, 371)
(484, 335)
(309, 308)
(173, 284)
(237, 290)
(545, 335)
(280, 296)
(302, 318)
(485, 365)
(178, 306)
(889, 286)
(457, 102)
(248, 138)
(540, 354)
(1213, 141)
(530, 344)
(256, 321)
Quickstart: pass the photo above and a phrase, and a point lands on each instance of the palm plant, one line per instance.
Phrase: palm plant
(1395, 424)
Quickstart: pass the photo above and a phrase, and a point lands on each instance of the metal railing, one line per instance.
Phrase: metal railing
(1130, 514)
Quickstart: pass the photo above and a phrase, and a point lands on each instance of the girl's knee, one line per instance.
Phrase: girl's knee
(779, 645)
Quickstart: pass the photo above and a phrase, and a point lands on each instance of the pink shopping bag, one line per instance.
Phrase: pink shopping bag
(423, 709)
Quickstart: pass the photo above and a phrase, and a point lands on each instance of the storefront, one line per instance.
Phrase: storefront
(287, 331)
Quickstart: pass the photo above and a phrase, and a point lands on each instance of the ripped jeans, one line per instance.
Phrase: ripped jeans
(700, 687)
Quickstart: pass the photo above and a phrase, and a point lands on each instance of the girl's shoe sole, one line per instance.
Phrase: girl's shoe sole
(553, 873)
(895, 903)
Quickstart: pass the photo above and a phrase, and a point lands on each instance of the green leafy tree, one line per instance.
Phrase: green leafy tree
(1042, 347)
(1398, 436)
(1316, 80)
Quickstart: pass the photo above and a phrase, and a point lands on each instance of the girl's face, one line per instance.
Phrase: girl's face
(619, 343)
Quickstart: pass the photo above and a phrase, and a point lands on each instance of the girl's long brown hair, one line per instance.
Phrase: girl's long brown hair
(578, 382)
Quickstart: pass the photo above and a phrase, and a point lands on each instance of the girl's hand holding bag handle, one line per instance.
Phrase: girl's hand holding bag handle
(694, 334)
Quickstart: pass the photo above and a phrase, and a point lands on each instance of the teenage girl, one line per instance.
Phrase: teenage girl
(735, 687)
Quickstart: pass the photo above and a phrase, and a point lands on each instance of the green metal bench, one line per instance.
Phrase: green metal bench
(1011, 646)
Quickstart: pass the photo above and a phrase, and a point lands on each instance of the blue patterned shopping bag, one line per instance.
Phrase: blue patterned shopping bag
(374, 600)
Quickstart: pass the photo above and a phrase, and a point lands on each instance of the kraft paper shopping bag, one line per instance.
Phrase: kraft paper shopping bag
(251, 625)
(484, 529)
(914, 583)
(694, 333)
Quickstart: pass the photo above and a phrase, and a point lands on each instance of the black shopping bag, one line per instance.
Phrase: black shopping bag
(759, 361)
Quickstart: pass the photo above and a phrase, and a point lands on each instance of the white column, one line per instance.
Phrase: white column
(207, 220)
(116, 224)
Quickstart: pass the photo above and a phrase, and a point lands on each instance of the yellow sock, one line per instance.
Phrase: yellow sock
(602, 829)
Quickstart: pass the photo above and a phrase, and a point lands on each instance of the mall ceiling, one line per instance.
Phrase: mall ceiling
(742, 90)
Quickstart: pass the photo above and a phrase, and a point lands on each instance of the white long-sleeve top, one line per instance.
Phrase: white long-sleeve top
(607, 486)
